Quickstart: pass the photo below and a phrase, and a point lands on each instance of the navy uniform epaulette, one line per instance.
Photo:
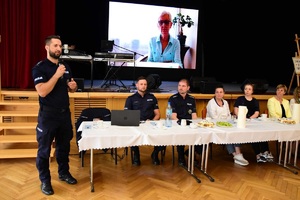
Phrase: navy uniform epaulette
(191, 96)
(40, 62)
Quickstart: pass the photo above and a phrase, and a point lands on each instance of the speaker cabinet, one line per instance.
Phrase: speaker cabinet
(153, 81)
(204, 85)
(260, 86)
(80, 84)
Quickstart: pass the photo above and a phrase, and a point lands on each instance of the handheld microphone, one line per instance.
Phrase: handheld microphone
(62, 75)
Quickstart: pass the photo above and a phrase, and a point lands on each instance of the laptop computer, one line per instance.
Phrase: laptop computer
(125, 117)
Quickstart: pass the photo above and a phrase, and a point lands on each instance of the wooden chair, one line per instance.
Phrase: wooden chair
(277, 143)
(88, 114)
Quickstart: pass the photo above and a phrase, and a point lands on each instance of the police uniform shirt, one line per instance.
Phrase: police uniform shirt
(59, 96)
(183, 107)
(146, 105)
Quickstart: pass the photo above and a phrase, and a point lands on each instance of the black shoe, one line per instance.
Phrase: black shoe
(155, 159)
(68, 178)
(186, 153)
(181, 162)
(136, 160)
(181, 159)
(46, 188)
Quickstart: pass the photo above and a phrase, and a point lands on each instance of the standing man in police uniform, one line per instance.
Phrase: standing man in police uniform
(183, 107)
(147, 103)
(53, 80)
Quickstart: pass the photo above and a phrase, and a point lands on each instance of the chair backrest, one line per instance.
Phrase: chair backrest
(88, 114)
(204, 112)
(266, 112)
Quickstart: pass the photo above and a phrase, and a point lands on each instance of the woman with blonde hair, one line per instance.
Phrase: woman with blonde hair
(278, 106)
(296, 98)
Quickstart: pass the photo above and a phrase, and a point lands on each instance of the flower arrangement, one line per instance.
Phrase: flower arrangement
(182, 20)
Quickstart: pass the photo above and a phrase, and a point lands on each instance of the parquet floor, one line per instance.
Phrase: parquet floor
(257, 181)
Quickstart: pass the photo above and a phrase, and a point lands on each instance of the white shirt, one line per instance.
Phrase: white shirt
(215, 111)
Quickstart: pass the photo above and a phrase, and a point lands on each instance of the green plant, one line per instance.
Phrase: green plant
(181, 20)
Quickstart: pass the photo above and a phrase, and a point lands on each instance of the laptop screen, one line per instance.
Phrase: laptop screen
(125, 117)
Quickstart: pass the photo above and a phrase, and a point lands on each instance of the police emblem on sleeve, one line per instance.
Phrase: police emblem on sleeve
(190, 111)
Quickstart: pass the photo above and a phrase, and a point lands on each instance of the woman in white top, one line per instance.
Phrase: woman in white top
(218, 108)
(296, 98)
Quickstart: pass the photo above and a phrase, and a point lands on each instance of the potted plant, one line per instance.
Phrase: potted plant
(181, 21)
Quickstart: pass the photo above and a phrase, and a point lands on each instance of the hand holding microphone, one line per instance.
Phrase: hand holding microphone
(60, 70)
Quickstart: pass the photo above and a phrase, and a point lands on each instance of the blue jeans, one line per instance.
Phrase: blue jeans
(231, 147)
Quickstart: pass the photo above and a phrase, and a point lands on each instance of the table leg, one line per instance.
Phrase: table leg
(284, 165)
(116, 156)
(295, 155)
(190, 168)
(92, 170)
(173, 158)
(204, 160)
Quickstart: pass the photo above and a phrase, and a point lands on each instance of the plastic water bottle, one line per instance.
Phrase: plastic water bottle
(169, 115)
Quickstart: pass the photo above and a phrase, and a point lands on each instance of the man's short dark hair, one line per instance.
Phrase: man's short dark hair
(185, 80)
(50, 37)
(141, 78)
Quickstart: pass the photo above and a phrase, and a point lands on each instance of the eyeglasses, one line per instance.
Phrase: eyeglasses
(166, 22)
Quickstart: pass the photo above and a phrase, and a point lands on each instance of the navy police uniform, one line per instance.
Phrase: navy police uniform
(184, 109)
(146, 105)
(54, 120)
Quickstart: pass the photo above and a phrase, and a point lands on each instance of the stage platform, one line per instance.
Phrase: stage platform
(165, 87)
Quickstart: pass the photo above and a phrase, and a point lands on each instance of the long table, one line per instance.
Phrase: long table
(148, 133)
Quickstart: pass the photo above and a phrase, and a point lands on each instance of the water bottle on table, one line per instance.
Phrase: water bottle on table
(169, 115)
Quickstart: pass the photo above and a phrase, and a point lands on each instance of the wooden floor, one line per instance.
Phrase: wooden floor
(19, 179)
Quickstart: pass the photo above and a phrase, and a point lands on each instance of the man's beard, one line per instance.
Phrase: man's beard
(143, 90)
(181, 92)
(53, 55)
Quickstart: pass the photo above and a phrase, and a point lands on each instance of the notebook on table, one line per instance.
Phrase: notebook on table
(125, 117)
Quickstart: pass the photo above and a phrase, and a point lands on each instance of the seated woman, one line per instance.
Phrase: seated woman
(218, 108)
(261, 149)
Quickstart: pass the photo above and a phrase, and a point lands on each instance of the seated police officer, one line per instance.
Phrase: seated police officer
(147, 103)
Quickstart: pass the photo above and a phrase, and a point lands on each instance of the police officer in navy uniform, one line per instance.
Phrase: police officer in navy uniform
(183, 107)
(53, 80)
(147, 103)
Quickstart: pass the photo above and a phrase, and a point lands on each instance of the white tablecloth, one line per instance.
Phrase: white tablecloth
(256, 131)
(148, 134)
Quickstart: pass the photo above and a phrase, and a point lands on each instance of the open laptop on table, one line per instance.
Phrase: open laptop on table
(125, 117)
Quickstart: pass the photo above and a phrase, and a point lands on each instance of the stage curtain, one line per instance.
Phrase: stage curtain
(24, 24)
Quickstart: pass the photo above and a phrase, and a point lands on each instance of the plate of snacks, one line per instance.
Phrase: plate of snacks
(224, 124)
(286, 121)
(206, 124)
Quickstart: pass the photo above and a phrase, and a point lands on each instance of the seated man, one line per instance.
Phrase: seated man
(183, 107)
(147, 104)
